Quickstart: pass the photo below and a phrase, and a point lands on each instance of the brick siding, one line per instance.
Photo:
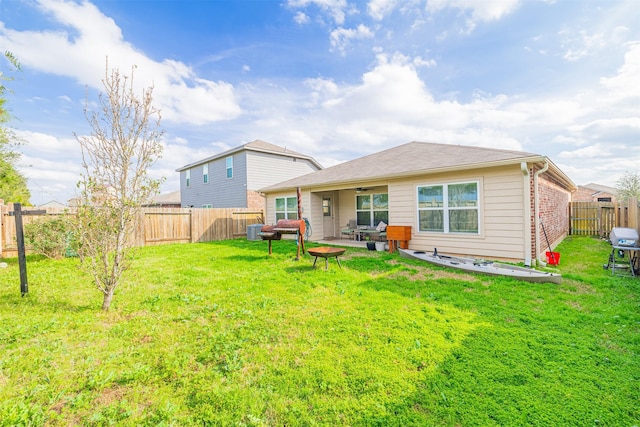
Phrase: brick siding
(553, 202)
(256, 201)
(584, 194)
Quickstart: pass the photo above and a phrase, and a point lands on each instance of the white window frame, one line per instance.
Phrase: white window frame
(371, 210)
(229, 167)
(288, 212)
(205, 173)
(446, 209)
(187, 175)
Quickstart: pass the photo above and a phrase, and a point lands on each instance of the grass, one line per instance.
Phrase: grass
(222, 334)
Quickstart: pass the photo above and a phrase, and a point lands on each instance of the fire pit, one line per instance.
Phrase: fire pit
(326, 252)
(626, 243)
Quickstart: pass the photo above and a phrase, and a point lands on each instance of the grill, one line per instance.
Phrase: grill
(624, 237)
(625, 243)
(285, 226)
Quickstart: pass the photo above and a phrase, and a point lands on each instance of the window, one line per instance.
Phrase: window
(229, 167)
(372, 208)
(205, 173)
(326, 206)
(449, 208)
(286, 208)
(208, 205)
(187, 175)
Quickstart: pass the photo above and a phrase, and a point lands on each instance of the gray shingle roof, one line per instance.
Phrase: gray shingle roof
(257, 145)
(597, 188)
(407, 159)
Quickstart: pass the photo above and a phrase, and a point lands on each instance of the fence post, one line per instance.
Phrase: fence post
(22, 259)
(633, 213)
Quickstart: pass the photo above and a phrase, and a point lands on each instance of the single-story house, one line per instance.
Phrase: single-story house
(52, 204)
(166, 200)
(594, 193)
(231, 179)
(474, 201)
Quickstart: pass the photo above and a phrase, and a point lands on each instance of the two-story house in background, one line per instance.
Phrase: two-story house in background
(231, 179)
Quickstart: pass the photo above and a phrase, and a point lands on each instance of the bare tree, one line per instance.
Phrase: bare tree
(116, 156)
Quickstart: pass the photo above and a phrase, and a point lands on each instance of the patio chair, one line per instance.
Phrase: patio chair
(349, 230)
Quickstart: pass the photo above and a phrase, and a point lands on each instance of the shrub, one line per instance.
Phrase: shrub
(49, 237)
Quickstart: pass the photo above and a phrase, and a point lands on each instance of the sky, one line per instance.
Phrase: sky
(333, 79)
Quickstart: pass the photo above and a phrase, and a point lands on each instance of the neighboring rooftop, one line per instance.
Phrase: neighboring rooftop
(258, 146)
(597, 188)
(52, 204)
(172, 198)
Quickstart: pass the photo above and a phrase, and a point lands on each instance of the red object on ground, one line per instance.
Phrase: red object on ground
(553, 258)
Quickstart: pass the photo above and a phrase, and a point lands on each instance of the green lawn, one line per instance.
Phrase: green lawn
(222, 334)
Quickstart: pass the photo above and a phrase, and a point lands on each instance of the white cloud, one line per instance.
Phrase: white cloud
(378, 9)
(481, 11)
(390, 105)
(337, 9)
(86, 37)
(38, 143)
(427, 63)
(578, 44)
(301, 18)
(341, 37)
(626, 83)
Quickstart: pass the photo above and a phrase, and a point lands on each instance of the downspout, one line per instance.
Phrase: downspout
(536, 201)
(527, 209)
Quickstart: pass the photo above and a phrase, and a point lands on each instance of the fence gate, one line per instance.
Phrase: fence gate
(598, 218)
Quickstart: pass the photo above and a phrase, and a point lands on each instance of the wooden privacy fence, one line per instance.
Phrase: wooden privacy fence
(155, 226)
(598, 218)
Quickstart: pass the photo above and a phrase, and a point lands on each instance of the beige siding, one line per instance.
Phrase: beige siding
(265, 169)
(501, 214)
(402, 203)
(347, 203)
(314, 215)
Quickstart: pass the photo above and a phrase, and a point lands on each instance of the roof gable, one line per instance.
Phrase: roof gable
(597, 188)
(257, 146)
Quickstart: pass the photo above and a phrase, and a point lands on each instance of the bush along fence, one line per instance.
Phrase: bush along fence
(598, 218)
(154, 225)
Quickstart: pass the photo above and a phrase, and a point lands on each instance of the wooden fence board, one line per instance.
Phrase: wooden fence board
(155, 225)
(598, 218)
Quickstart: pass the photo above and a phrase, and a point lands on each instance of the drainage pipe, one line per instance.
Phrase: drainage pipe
(536, 201)
(524, 167)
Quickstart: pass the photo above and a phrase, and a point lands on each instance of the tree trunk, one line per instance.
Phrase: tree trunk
(106, 302)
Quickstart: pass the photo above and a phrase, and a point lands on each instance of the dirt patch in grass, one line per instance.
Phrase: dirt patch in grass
(351, 255)
(575, 304)
(425, 273)
(109, 396)
(575, 287)
(146, 339)
(59, 406)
